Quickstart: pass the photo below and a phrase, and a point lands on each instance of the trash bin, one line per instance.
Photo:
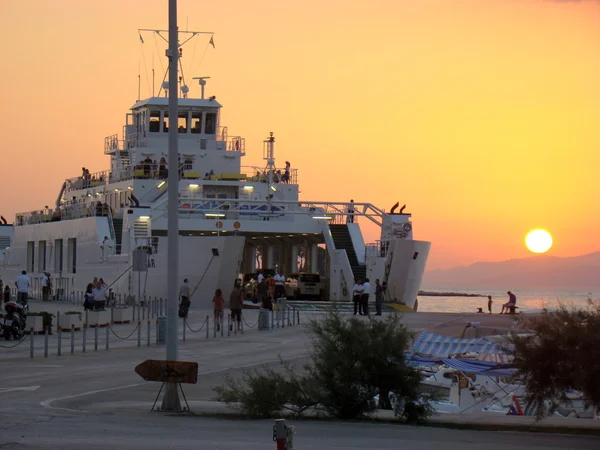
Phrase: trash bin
(263, 319)
(161, 337)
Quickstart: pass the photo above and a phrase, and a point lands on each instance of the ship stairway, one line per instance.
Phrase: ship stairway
(118, 226)
(343, 241)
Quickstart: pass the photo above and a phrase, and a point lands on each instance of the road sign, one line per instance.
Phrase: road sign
(168, 371)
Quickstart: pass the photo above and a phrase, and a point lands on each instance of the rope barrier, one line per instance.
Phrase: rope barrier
(248, 325)
(13, 346)
(124, 338)
(195, 331)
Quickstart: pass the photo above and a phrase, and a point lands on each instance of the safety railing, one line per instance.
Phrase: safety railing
(261, 175)
(67, 212)
(377, 249)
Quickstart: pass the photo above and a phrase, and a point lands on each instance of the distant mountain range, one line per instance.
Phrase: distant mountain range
(536, 272)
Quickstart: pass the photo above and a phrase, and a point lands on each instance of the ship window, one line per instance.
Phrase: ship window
(42, 256)
(182, 122)
(30, 256)
(166, 122)
(196, 122)
(154, 121)
(72, 255)
(58, 255)
(211, 123)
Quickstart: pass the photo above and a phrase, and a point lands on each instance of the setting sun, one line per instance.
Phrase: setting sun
(538, 241)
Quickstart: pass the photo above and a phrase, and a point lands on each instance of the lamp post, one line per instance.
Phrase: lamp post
(171, 400)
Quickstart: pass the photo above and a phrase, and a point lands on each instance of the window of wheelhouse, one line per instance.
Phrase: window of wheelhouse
(58, 255)
(31, 256)
(165, 122)
(182, 122)
(154, 126)
(197, 122)
(211, 123)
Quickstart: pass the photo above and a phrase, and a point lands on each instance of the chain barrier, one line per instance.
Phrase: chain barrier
(124, 338)
(247, 324)
(25, 336)
(195, 331)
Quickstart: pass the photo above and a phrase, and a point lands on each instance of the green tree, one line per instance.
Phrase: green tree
(562, 354)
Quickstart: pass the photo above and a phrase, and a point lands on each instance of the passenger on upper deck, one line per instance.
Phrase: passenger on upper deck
(162, 168)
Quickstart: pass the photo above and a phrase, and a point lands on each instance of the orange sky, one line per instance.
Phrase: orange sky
(481, 115)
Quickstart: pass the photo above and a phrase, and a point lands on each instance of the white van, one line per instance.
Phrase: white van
(303, 285)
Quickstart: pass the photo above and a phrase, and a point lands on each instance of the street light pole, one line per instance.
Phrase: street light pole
(171, 399)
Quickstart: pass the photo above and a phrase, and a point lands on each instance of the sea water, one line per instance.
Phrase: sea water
(527, 301)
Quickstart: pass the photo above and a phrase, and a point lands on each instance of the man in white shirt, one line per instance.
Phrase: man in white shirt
(279, 285)
(365, 297)
(357, 291)
(46, 286)
(261, 277)
(185, 292)
(22, 282)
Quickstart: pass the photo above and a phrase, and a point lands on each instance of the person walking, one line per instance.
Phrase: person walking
(378, 297)
(235, 306)
(357, 291)
(365, 297)
(218, 305)
(22, 282)
(185, 293)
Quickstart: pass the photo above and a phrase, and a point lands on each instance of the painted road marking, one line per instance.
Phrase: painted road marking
(24, 388)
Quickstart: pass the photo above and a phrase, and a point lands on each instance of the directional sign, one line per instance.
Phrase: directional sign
(168, 371)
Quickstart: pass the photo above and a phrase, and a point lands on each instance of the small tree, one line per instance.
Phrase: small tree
(562, 354)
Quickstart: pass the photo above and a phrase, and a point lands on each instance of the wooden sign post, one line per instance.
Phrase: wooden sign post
(168, 372)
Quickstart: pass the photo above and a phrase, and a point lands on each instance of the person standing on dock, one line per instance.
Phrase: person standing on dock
(490, 303)
(356, 296)
(365, 297)
(185, 293)
(22, 282)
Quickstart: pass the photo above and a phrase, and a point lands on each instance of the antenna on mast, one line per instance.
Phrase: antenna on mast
(202, 81)
(140, 80)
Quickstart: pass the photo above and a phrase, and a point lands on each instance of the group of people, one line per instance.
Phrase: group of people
(97, 293)
(361, 293)
(507, 308)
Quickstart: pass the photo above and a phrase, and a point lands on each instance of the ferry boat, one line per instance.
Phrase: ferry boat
(232, 218)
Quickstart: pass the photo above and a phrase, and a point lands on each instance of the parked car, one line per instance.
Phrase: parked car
(304, 285)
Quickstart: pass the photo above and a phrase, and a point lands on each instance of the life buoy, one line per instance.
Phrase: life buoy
(407, 227)
(185, 206)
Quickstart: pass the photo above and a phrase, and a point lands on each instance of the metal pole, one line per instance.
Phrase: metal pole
(140, 295)
(272, 319)
(171, 399)
(139, 328)
(72, 338)
(31, 343)
(242, 321)
(45, 342)
(214, 326)
(148, 332)
(228, 324)
(107, 329)
(184, 327)
(96, 338)
(207, 324)
(59, 332)
(84, 336)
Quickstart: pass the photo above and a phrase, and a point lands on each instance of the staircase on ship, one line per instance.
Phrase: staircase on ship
(343, 241)
(118, 226)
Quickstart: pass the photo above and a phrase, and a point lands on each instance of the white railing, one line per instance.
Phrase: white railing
(261, 175)
(66, 212)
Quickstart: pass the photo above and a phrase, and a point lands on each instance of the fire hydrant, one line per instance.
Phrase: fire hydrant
(283, 435)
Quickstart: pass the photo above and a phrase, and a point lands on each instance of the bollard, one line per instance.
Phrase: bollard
(228, 324)
(83, 337)
(72, 338)
(288, 317)
(59, 331)
(242, 321)
(283, 435)
(112, 315)
(222, 324)
(272, 319)
(45, 342)
(215, 326)
(148, 332)
(96, 338)
(107, 334)
(139, 328)
(294, 315)
(31, 343)
(184, 327)
(207, 324)
(298, 318)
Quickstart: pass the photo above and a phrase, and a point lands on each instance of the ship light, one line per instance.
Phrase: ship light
(273, 188)
(161, 184)
(193, 185)
(116, 190)
(144, 217)
(214, 215)
(322, 217)
(130, 188)
(248, 188)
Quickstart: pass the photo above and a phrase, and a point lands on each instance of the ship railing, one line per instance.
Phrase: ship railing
(222, 134)
(88, 181)
(236, 144)
(261, 174)
(113, 144)
(148, 243)
(272, 210)
(65, 212)
(377, 249)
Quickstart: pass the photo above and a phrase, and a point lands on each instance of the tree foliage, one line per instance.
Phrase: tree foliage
(562, 354)
(352, 361)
